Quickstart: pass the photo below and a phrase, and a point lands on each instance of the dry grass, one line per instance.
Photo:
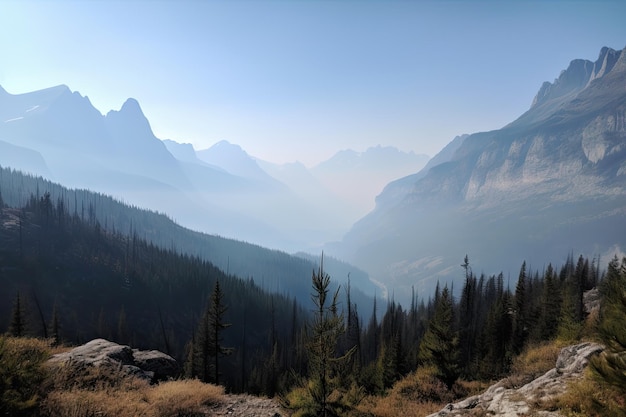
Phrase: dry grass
(183, 398)
(418, 394)
(57, 390)
(106, 391)
(533, 362)
(136, 398)
(589, 397)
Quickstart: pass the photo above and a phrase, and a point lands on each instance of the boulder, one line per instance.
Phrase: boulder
(100, 353)
(498, 401)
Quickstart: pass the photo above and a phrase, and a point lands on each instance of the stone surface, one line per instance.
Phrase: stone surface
(591, 300)
(499, 401)
(149, 365)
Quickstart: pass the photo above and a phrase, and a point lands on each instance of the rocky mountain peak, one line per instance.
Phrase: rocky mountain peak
(578, 75)
(606, 61)
(131, 106)
(572, 80)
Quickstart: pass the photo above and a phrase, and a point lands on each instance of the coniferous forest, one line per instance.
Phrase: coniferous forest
(68, 278)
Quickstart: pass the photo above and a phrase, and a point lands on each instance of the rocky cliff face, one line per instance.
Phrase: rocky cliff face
(551, 182)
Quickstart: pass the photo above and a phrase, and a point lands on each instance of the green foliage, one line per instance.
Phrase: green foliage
(22, 372)
(208, 342)
(440, 345)
(18, 320)
(550, 306)
(324, 393)
(610, 366)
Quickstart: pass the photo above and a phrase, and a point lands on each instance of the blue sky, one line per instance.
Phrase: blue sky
(300, 80)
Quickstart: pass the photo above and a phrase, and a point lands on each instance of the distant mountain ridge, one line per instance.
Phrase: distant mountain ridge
(552, 181)
(58, 134)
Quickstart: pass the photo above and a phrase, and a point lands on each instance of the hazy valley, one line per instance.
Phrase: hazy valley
(448, 270)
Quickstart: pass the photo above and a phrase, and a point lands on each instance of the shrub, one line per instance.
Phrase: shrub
(418, 394)
(533, 362)
(21, 374)
(589, 397)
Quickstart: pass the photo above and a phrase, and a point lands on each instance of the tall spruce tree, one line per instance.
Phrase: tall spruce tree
(468, 317)
(440, 345)
(216, 325)
(550, 305)
(17, 327)
(207, 342)
(521, 324)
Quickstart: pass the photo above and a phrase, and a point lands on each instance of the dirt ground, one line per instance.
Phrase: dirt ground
(247, 406)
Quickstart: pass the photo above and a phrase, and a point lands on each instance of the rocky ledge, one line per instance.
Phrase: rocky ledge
(149, 365)
(499, 401)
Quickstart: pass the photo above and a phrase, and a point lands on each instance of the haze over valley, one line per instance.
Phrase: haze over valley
(312, 208)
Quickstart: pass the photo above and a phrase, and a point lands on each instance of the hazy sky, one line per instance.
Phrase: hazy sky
(299, 80)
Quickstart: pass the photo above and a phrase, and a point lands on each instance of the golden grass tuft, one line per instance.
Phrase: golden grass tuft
(533, 362)
(418, 394)
(589, 397)
(183, 398)
(168, 399)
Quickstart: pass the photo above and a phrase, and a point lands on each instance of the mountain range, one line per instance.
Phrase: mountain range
(550, 183)
(58, 134)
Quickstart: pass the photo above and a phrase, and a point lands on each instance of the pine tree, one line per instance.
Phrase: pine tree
(123, 333)
(611, 364)
(467, 317)
(550, 306)
(17, 327)
(55, 327)
(521, 325)
(327, 327)
(497, 335)
(207, 345)
(216, 324)
(440, 345)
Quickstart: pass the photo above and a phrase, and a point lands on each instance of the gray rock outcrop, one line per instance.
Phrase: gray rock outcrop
(100, 353)
(500, 401)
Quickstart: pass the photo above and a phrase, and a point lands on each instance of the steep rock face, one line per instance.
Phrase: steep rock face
(499, 401)
(549, 183)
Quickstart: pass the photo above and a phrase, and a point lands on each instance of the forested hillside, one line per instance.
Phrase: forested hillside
(272, 270)
(71, 278)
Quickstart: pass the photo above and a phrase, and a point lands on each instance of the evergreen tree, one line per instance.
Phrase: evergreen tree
(550, 306)
(17, 327)
(497, 335)
(521, 326)
(467, 317)
(216, 324)
(440, 345)
(327, 327)
(611, 364)
(206, 346)
(123, 332)
(55, 327)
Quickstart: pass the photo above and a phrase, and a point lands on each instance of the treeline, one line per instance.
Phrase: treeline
(475, 335)
(273, 270)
